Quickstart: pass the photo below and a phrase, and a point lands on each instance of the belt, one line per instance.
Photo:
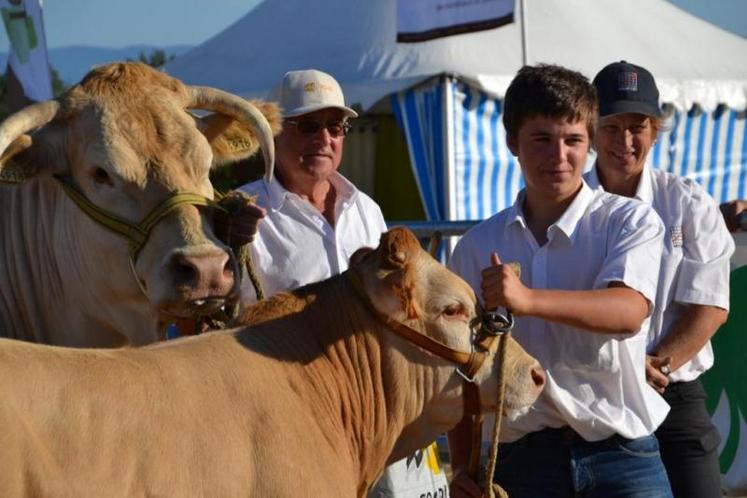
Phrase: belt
(565, 436)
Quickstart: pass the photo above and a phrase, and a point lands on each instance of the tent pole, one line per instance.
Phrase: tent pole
(447, 106)
(524, 47)
(447, 118)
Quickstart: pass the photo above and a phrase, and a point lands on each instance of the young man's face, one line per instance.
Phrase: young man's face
(623, 141)
(552, 153)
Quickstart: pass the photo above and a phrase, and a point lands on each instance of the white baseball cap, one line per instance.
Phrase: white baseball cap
(309, 90)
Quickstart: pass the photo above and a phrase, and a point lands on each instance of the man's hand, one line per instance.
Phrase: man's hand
(732, 211)
(237, 225)
(501, 287)
(657, 372)
(462, 486)
(244, 224)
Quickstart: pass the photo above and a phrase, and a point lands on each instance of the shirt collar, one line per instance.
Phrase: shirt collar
(516, 214)
(645, 190)
(278, 194)
(567, 222)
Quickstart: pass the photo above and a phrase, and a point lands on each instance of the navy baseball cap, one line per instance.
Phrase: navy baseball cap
(624, 87)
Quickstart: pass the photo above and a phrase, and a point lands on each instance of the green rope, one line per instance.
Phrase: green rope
(493, 490)
(136, 234)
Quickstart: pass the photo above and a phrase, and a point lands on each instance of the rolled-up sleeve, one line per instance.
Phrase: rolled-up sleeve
(707, 250)
(634, 251)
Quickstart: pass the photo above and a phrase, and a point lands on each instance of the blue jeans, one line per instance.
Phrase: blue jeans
(559, 463)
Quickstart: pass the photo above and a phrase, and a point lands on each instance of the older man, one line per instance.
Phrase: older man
(314, 217)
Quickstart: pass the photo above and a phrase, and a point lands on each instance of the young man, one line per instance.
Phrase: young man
(692, 300)
(589, 262)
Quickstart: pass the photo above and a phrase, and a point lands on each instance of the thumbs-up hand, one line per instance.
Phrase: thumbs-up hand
(501, 287)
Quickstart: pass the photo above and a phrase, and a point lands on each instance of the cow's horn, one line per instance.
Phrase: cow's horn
(212, 99)
(27, 119)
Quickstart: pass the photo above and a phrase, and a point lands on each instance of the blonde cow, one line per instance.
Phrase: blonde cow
(313, 399)
(105, 207)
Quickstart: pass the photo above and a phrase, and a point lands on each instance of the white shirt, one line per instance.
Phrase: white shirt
(695, 262)
(596, 383)
(296, 245)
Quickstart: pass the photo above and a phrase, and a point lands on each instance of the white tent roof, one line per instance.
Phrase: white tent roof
(354, 40)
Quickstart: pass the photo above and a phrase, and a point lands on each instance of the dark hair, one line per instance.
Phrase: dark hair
(551, 91)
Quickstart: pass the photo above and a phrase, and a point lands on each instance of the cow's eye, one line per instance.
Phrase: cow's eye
(454, 310)
(101, 177)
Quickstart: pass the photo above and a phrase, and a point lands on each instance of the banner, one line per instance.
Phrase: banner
(420, 20)
(420, 475)
(725, 381)
(28, 47)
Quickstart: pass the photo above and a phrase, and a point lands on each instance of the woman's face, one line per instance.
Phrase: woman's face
(623, 142)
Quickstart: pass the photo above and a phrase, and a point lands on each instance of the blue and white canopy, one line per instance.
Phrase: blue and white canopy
(465, 171)
(355, 41)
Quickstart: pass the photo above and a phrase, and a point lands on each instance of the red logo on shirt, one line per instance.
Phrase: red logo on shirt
(675, 234)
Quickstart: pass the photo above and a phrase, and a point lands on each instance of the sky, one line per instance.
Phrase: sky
(117, 23)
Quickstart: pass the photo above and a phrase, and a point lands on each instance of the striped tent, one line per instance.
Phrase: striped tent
(465, 171)
(446, 93)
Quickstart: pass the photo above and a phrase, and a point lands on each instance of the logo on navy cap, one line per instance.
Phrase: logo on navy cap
(627, 81)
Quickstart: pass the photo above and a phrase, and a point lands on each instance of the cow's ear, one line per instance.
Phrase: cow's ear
(398, 246)
(406, 291)
(230, 140)
(13, 170)
(29, 155)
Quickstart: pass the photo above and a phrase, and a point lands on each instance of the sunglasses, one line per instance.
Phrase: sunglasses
(336, 129)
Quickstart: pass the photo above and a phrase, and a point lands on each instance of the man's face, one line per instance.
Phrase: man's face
(623, 142)
(552, 154)
(305, 157)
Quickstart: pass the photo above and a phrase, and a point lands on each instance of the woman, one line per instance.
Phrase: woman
(693, 289)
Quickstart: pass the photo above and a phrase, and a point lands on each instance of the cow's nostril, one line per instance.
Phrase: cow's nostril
(538, 376)
(206, 274)
(228, 269)
(183, 270)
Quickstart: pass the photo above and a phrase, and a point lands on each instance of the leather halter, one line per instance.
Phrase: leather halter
(492, 325)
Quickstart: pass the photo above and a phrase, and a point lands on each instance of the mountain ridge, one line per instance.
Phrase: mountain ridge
(74, 61)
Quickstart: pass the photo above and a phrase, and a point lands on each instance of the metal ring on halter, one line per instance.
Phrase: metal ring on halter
(464, 376)
(495, 323)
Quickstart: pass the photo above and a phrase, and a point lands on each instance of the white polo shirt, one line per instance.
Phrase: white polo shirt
(695, 262)
(596, 383)
(296, 245)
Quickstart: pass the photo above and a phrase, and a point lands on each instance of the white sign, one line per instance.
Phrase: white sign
(419, 20)
(28, 47)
